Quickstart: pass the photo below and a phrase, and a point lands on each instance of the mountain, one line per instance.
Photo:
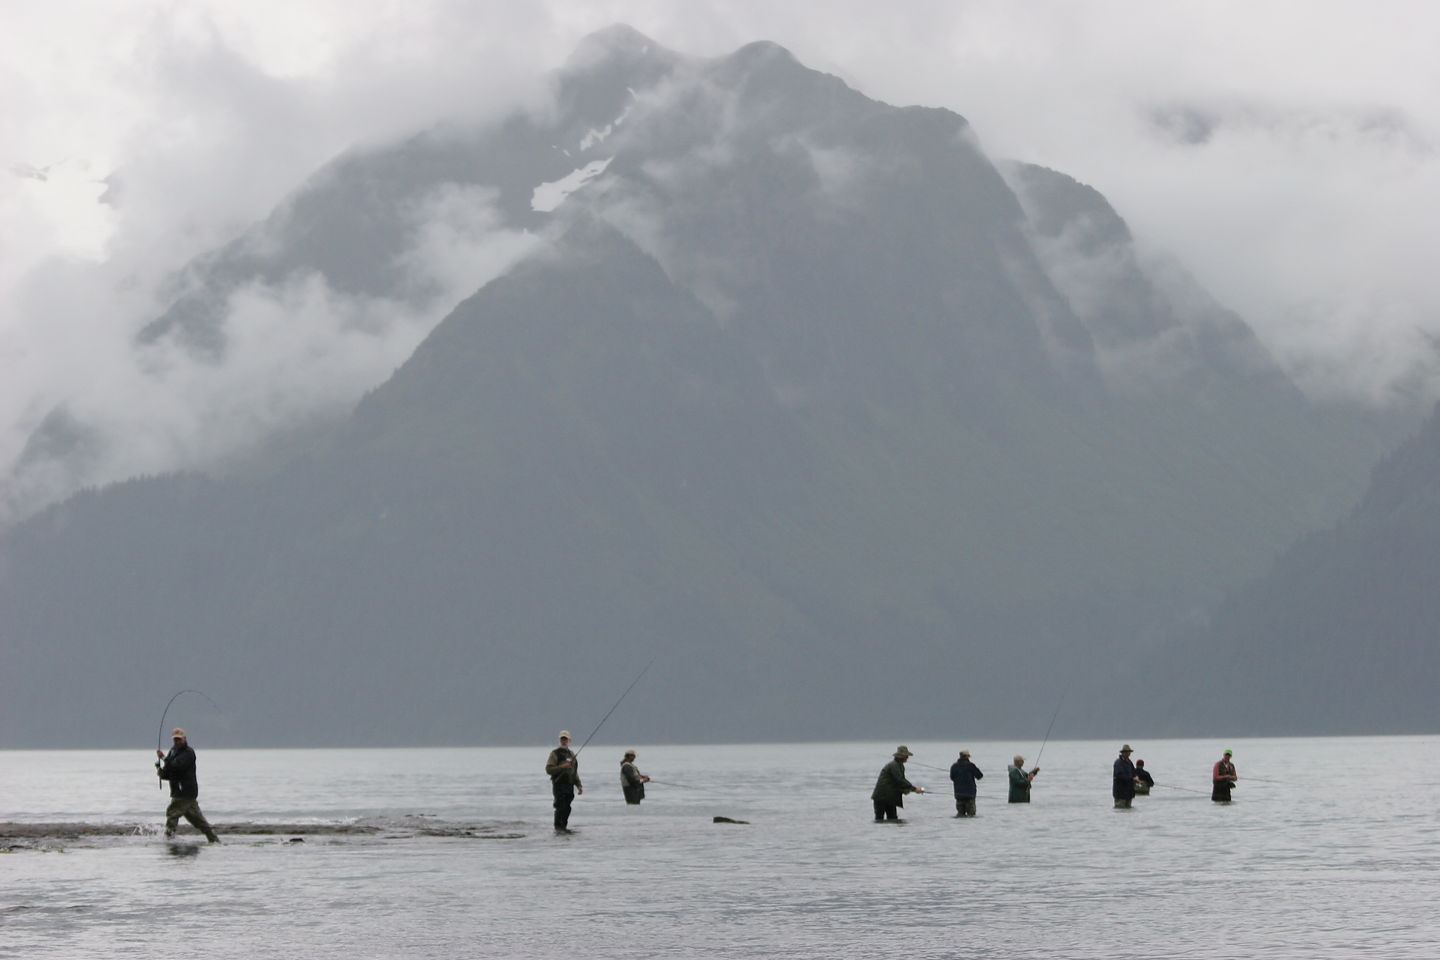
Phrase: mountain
(851, 430)
(1338, 637)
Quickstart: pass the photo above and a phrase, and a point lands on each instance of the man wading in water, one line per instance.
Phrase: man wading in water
(1124, 787)
(632, 781)
(564, 770)
(178, 766)
(1223, 777)
(965, 773)
(892, 786)
(1020, 780)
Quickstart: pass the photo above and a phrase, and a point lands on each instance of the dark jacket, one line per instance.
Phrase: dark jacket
(1146, 781)
(1019, 785)
(631, 783)
(965, 773)
(892, 786)
(570, 776)
(1124, 787)
(179, 769)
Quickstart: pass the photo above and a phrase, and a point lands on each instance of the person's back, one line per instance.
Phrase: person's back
(963, 774)
(1143, 779)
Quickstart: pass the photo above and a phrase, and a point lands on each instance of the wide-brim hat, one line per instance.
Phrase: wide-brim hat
(903, 751)
(1126, 749)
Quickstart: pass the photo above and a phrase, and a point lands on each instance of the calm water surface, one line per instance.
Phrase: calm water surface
(1336, 854)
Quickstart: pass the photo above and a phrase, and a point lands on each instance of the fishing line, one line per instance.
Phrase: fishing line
(612, 709)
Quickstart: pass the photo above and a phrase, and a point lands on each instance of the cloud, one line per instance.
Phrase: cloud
(1285, 152)
(296, 352)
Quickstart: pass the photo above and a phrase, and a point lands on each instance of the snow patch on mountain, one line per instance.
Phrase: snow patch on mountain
(550, 195)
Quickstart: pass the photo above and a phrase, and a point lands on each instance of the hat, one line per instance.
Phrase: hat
(177, 732)
(1228, 752)
(629, 753)
(964, 753)
(1126, 749)
(903, 751)
(564, 734)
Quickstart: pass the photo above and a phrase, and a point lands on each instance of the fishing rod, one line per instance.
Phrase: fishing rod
(1171, 786)
(160, 734)
(612, 709)
(666, 783)
(1048, 729)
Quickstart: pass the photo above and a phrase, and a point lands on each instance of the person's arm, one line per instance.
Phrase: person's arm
(177, 764)
(978, 774)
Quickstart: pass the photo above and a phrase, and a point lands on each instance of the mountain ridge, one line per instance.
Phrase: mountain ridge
(787, 398)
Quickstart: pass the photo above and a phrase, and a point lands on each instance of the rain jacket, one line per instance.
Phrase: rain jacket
(965, 773)
(1019, 785)
(892, 785)
(179, 769)
(1124, 788)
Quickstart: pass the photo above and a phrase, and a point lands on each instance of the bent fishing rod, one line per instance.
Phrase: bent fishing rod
(160, 734)
(612, 709)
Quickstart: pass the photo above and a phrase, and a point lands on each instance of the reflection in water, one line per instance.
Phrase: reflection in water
(182, 849)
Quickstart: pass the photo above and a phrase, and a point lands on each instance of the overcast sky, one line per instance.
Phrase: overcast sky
(1285, 151)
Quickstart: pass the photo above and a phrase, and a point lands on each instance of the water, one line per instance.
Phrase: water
(1336, 858)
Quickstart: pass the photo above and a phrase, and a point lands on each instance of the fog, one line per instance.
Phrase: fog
(1285, 154)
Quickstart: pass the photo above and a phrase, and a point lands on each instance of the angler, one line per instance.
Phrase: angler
(1222, 778)
(178, 766)
(1143, 780)
(892, 785)
(1020, 781)
(964, 774)
(632, 781)
(563, 766)
(1123, 789)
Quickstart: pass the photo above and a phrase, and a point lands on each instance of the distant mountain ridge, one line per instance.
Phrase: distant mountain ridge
(850, 429)
(1338, 637)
